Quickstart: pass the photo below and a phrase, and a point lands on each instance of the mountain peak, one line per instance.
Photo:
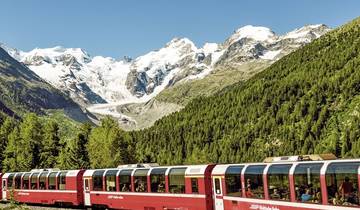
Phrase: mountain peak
(11, 51)
(308, 31)
(180, 42)
(258, 33)
(52, 54)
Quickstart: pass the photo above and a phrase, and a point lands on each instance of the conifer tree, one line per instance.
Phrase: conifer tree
(10, 162)
(30, 143)
(5, 130)
(50, 145)
(74, 154)
(107, 146)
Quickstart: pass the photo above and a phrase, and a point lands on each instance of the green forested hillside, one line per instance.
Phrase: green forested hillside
(307, 102)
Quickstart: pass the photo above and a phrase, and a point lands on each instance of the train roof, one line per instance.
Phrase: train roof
(191, 170)
(221, 168)
(70, 173)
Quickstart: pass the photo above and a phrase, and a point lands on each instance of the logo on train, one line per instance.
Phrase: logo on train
(262, 207)
(115, 197)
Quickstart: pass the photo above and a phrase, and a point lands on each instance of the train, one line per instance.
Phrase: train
(315, 182)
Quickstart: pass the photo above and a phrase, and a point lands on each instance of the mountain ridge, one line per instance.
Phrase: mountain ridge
(24, 91)
(103, 80)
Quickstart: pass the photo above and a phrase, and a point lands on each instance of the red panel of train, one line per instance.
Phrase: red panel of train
(286, 183)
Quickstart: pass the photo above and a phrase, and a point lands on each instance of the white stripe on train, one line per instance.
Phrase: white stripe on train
(47, 191)
(150, 194)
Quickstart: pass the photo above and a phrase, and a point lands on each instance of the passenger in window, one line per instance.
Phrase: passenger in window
(317, 197)
(136, 183)
(140, 188)
(125, 188)
(332, 190)
(161, 187)
(346, 188)
(297, 193)
(248, 184)
(337, 200)
(275, 194)
(248, 193)
(306, 197)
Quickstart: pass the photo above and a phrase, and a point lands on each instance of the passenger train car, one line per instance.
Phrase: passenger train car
(44, 187)
(175, 187)
(286, 183)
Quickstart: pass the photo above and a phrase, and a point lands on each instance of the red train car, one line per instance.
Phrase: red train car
(288, 184)
(150, 188)
(44, 187)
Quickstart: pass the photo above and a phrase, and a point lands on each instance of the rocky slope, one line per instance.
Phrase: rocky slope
(21, 90)
(126, 87)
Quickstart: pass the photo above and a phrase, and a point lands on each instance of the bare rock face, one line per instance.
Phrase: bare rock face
(153, 69)
(137, 82)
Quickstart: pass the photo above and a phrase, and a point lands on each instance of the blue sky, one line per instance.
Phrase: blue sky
(133, 27)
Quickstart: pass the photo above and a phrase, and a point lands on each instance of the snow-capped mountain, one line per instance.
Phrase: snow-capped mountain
(251, 42)
(101, 80)
(23, 91)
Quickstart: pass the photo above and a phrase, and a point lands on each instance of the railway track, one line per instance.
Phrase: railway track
(5, 206)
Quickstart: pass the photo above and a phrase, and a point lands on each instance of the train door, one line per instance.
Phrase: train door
(87, 201)
(4, 189)
(218, 193)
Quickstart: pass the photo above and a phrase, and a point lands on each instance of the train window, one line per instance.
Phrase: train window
(233, 180)
(87, 185)
(42, 180)
(254, 186)
(307, 182)
(217, 186)
(342, 183)
(110, 180)
(278, 182)
(4, 184)
(10, 181)
(194, 185)
(125, 180)
(25, 184)
(140, 180)
(177, 180)
(33, 181)
(157, 179)
(52, 181)
(18, 181)
(97, 179)
(62, 180)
